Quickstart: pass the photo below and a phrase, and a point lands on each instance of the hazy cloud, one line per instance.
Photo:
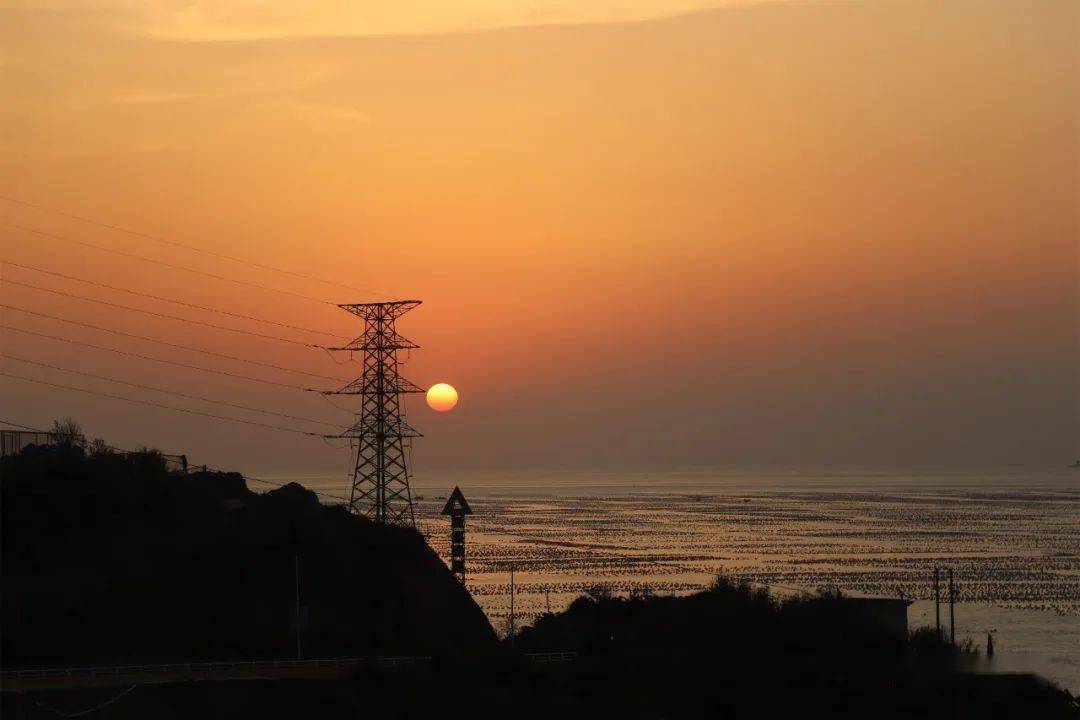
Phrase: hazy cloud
(221, 20)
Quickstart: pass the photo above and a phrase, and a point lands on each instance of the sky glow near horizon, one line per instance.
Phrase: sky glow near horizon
(762, 232)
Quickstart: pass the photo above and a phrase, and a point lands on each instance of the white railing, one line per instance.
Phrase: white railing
(212, 667)
(552, 657)
(249, 666)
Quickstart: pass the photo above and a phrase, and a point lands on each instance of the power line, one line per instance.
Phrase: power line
(158, 314)
(254, 479)
(87, 711)
(334, 404)
(281, 485)
(165, 264)
(171, 300)
(168, 392)
(193, 248)
(154, 359)
(21, 427)
(172, 345)
(159, 405)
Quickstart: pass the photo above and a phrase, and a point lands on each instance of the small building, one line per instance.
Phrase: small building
(887, 613)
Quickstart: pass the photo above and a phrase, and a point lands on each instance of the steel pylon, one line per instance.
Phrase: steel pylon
(380, 481)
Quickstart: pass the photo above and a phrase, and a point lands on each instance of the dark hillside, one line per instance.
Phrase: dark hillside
(111, 560)
(734, 651)
(745, 621)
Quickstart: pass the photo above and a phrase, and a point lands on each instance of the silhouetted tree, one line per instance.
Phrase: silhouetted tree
(148, 462)
(599, 592)
(830, 592)
(69, 432)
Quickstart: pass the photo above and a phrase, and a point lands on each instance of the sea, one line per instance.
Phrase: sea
(1008, 536)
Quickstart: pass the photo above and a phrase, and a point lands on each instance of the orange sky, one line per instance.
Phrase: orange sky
(778, 232)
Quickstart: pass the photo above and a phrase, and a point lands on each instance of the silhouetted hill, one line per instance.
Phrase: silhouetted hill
(734, 651)
(108, 559)
(727, 615)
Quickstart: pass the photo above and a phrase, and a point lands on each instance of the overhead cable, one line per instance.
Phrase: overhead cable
(174, 266)
(159, 405)
(172, 300)
(178, 346)
(167, 392)
(167, 316)
(154, 359)
(21, 427)
(193, 248)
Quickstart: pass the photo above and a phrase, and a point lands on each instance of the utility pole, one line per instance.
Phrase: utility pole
(547, 599)
(299, 615)
(952, 615)
(296, 568)
(937, 602)
(512, 625)
(380, 481)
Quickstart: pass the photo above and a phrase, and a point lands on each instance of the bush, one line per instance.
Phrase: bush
(929, 643)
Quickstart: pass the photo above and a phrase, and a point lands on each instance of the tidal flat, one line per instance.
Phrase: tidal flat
(1010, 535)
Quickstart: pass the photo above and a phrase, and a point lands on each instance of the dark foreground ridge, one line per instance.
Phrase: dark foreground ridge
(110, 560)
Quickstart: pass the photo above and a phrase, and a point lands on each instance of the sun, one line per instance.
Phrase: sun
(441, 397)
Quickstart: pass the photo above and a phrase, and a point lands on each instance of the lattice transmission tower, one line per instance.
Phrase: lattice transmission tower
(380, 480)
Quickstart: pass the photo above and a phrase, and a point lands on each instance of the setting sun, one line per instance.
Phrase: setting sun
(441, 397)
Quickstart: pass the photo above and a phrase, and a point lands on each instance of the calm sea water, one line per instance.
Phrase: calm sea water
(1010, 535)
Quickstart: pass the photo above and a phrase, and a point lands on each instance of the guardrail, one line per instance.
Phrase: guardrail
(244, 669)
(202, 668)
(551, 657)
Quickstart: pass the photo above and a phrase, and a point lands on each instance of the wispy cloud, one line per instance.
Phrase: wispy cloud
(334, 112)
(232, 20)
(158, 98)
